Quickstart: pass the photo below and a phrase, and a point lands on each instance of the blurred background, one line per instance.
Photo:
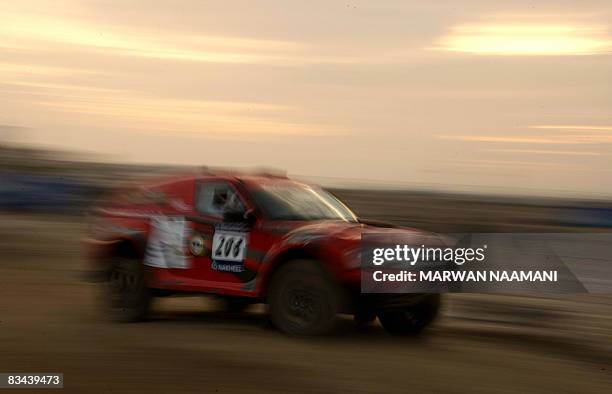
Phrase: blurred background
(457, 116)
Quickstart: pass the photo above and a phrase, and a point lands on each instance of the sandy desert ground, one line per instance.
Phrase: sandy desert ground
(50, 321)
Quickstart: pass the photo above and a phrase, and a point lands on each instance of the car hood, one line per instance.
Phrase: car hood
(351, 231)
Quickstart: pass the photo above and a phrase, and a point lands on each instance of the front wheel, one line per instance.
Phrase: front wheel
(413, 319)
(128, 297)
(303, 299)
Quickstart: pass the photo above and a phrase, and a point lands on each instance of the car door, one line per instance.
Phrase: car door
(220, 247)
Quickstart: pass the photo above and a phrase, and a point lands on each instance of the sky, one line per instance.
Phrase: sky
(472, 94)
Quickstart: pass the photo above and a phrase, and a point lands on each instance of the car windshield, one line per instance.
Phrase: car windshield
(298, 202)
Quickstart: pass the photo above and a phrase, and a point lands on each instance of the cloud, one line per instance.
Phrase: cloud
(121, 109)
(511, 139)
(573, 127)
(554, 139)
(545, 152)
(527, 38)
(522, 164)
(38, 33)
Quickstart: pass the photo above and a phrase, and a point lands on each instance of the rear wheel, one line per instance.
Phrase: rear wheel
(127, 294)
(303, 299)
(411, 320)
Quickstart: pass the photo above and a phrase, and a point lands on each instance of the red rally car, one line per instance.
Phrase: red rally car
(247, 239)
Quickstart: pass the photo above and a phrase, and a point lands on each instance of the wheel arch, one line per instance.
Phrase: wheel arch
(126, 247)
(101, 254)
(296, 253)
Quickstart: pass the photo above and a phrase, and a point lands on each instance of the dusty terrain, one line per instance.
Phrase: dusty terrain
(50, 322)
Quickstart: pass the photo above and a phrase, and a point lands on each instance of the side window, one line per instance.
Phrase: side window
(216, 198)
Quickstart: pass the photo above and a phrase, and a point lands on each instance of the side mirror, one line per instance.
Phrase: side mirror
(239, 216)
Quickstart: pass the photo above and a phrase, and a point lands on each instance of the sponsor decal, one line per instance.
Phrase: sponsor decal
(228, 266)
(196, 245)
(166, 245)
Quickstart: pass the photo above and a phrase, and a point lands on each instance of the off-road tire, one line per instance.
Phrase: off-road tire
(413, 319)
(128, 297)
(303, 299)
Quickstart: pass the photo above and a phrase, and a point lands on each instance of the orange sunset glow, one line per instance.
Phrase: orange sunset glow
(424, 92)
